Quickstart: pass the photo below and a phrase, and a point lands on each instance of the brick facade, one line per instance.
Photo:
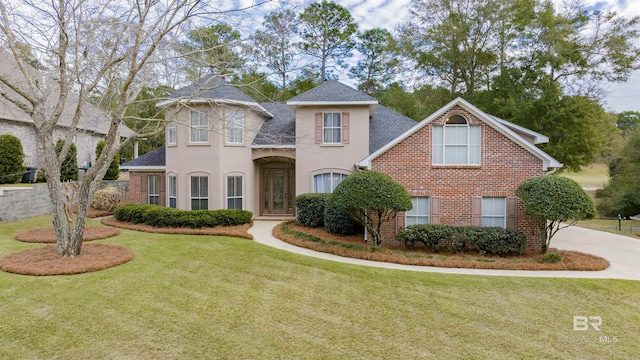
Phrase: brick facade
(504, 166)
(138, 190)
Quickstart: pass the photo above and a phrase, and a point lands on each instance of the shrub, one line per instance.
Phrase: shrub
(551, 258)
(40, 178)
(486, 240)
(160, 216)
(69, 167)
(11, 159)
(114, 168)
(106, 199)
(311, 208)
(338, 221)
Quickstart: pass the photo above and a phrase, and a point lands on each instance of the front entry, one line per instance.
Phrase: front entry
(278, 189)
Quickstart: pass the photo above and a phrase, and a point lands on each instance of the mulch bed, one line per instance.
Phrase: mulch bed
(46, 261)
(572, 260)
(240, 231)
(48, 234)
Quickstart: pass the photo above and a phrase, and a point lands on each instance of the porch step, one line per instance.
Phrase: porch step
(274, 218)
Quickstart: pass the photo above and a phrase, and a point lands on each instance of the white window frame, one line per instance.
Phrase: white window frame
(494, 208)
(200, 196)
(420, 213)
(198, 127)
(333, 128)
(171, 133)
(443, 145)
(153, 190)
(234, 127)
(235, 192)
(172, 189)
(334, 179)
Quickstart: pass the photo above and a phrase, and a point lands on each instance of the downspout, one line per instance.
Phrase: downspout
(551, 172)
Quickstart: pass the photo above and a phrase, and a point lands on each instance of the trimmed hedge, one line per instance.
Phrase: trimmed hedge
(160, 216)
(485, 240)
(311, 208)
(339, 221)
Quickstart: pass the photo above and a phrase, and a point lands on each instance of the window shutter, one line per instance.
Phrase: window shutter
(512, 213)
(345, 127)
(162, 190)
(476, 211)
(434, 216)
(144, 189)
(400, 220)
(318, 128)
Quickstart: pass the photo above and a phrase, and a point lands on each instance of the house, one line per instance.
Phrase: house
(225, 150)
(93, 125)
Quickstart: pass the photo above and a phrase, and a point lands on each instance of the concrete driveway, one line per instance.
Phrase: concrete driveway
(622, 252)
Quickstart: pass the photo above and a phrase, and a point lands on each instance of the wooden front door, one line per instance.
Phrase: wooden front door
(278, 194)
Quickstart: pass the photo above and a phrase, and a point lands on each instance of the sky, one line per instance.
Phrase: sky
(387, 13)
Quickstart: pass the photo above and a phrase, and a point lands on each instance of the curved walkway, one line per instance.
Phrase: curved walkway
(622, 252)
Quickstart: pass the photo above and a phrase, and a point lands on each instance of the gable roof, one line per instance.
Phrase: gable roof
(280, 130)
(153, 160)
(547, 160)
(213, 89)
(385, 125)
(92, 118)
(332, 92)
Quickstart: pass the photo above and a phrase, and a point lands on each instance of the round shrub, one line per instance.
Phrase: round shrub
(552, 258)
(311, 208)
(106, 199)
(338, 221)
(11, 159)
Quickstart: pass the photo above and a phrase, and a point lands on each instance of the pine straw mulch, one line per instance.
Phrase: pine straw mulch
(353, 246)
(46, 261)
(48, 234)
(240, 231)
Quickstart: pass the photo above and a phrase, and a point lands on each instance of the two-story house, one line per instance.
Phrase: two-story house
(224, 150)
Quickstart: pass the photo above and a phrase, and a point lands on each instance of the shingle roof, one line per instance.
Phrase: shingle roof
(332, 91)
(279, 130)
(155, 158)
(386, 125)
(212, 87)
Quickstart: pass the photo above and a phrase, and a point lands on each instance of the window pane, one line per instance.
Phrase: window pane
(172, 202)
(493, 211)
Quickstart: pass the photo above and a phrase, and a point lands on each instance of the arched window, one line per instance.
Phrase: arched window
(327, 182)
(456, 143)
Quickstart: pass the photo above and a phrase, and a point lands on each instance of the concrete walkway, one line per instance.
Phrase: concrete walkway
(622, 252)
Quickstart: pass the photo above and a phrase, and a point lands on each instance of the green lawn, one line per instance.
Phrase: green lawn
(217, 297)
(593, 176)
(630, 228)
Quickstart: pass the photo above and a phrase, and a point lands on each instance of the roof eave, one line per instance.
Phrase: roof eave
(143, 168)
(273, 147)
(325, 103)
(188, 100)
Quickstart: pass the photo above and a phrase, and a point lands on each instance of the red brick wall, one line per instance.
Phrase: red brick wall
(135, 186)
(504, 166)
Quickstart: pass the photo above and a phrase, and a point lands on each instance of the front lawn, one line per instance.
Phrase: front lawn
(188, 296)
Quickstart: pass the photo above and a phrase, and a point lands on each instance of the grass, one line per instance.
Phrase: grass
(17, 185)
(630, 228)
(592, 177)
(218, 297)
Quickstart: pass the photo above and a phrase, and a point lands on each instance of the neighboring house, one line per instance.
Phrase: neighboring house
(93, 126)
(226, 151)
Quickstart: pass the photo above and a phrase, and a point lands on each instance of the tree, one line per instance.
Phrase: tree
(11, 159)
(273, 45)
(87, 45)
(628, 120)
(371, 198)
(327, 34)
(377, 66)
(69, 167)
(114, 169)
(557, 202)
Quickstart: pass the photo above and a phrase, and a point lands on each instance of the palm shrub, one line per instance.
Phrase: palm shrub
(11, 159)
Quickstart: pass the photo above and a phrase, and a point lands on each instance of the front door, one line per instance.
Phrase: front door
(278, 190)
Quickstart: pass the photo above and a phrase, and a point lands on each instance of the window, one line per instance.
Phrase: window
(332, 128)
(420, 212)
(235, 126)
(234, 192)
(199, 129)
(494, 211)
(199, 193)
(456, 143)
(172, 189)
(171, 132)
(326, 183)
(153, 189)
